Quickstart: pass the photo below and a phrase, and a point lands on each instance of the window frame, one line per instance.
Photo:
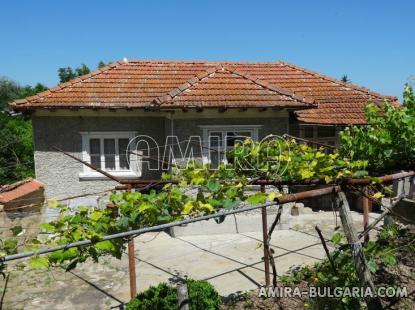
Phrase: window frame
(329, 140)
(87, 173)
(208, 129)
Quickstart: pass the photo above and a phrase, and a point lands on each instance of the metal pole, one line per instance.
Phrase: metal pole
(131, 268)
(133, 232)
(365, 207)
(265, 240)
(131, 263)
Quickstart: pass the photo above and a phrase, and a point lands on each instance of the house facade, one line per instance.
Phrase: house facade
(132, 117)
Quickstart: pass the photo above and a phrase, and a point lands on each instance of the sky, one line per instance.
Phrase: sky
(370, 41)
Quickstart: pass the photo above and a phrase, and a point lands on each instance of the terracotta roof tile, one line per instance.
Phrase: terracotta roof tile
(223, 87)
(139, 84)
(19, 190)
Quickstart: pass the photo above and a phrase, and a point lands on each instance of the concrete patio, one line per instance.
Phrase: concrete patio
(231, 262)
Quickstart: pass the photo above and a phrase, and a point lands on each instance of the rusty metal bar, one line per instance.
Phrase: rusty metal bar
(131, 268)
(323, 242)
(314, 143)
(108, 175)
(131, 263)
(308, 194)
(281, 200)
(265, 241)
(362, 181)
(365, 207)
(385, 178)
(145, 182)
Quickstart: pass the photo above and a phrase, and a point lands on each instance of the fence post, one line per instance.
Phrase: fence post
(131, 263)
(131, 268)
(373, 303)
(366, 210)
(182, 296)
(265, 240)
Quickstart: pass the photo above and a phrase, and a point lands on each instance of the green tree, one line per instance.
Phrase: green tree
(388, 140)
(82, 70)
(67, 73)
(345, 79)
(9, 91)
(101, 64)
(16, 149)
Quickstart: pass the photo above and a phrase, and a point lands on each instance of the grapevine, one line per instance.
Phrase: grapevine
(202, 190)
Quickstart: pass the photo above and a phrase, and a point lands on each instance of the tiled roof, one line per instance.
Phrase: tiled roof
(227, 87)
(138, 84)
(19, 190)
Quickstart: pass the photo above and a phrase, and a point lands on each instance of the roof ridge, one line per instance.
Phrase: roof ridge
(186, 85)
(207, 73)
(64, 85)
(270, 87)
(334, 80)
(199, 61)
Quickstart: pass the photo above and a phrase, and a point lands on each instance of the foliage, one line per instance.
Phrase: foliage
(87, 223)
(161, 297)
(379, 254)
(345, 79)
(68, 73)
(102, 64)
(217, 189)
(10, 245)
(16, 150)
(202, 296)
(388, 141)
(10, 90)
(289, 161)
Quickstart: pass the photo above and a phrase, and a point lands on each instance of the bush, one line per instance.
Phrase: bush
(388, 140)
(380, 255)
(202, 296)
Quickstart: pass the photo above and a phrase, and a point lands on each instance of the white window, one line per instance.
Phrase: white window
(320, 134)
(218, 139)
(111, 152)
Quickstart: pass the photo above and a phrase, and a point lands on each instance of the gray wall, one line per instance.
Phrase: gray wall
(60, 173)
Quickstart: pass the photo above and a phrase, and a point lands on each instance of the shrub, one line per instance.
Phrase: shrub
(388, 140)
(202, 296)
(380, 255)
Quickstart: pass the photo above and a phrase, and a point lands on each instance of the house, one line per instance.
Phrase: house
(95, 117)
